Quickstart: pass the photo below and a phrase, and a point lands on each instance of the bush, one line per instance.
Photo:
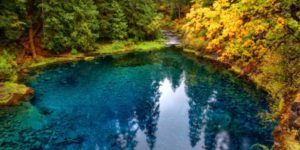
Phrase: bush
(74, 52)
(7, 67)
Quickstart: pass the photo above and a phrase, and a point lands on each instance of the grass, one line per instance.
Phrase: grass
(102, 49)
(149, 46)
(51, 60)
(118, 47)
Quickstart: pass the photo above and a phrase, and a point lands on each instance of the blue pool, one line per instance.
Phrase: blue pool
(159, 100)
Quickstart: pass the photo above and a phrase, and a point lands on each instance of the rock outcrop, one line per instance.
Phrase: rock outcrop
(13, 93)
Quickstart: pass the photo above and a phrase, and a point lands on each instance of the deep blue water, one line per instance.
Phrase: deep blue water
(159, 100)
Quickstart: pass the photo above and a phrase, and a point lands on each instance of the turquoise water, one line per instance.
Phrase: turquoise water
(160, 100)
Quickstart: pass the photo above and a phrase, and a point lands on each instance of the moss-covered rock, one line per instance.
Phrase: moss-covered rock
(12, 93)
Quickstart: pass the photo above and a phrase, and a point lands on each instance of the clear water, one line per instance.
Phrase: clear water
(161, 100)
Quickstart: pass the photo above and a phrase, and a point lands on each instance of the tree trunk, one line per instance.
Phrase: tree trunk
(179, 12)
(31, 42)
(30, 14)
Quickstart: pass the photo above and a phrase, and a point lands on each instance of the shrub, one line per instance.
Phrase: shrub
(7, 67)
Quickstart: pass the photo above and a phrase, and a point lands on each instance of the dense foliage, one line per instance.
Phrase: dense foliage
(7, 66)
(118, 22)
(58, 26)
(175, 9)
(257, 38)
(70, 24)
(43, 27)
(112, 20)
(12, 23)
(142, 18)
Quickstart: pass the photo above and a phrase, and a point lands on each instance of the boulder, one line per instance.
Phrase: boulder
(13, 93)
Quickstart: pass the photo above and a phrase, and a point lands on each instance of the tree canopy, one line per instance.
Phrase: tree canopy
(260, 38)
(59, 26)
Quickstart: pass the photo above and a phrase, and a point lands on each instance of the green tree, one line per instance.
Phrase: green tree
(12, 25)
(70, 24)
(104, 15)
(20, 21)
(140, 14)
(112, 20)
(118, 22)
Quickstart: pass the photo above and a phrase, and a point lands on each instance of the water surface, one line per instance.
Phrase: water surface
(160, 100)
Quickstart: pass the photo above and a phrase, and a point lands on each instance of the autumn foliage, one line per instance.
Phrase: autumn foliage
(258, 38)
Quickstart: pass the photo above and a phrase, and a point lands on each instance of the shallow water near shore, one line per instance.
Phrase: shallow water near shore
(160, 100)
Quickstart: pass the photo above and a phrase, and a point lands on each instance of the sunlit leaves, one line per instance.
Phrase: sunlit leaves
(250, 34)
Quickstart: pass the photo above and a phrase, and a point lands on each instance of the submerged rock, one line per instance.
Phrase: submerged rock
(45, 111)
(69, 80)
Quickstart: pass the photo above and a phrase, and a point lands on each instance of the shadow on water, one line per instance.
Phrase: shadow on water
(159, 100)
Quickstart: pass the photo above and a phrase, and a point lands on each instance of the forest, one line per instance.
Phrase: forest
(258, 40)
